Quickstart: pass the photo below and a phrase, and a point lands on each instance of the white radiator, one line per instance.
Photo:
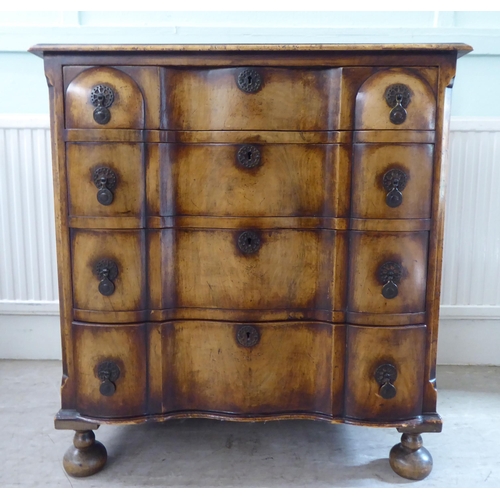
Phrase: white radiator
(28, 281)
(471, 273)
(471, 259)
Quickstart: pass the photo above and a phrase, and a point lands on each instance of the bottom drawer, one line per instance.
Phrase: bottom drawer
(265, 368)
(385, 372)
(110, 369)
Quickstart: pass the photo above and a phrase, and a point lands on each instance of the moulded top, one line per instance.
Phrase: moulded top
(460, 48)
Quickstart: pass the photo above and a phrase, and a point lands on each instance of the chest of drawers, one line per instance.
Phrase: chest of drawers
(250, 233)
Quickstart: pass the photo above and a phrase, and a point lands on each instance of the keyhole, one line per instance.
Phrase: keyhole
(249, 241)
(249, 79)
(249, 155)
(248, 336)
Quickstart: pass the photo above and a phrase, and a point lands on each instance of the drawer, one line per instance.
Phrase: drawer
(123, 97)
(252, 180)
(109, 278)
(384, 372)
(248, 98)
(104, 98)
(105, 179)
(225, 367)
(387, 276)
(248, 269)
(110, 370)
(392, 181)
(397, 99)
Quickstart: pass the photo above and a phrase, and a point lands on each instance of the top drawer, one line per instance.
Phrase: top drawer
(104, 97)
(397, 99)
(251, 98)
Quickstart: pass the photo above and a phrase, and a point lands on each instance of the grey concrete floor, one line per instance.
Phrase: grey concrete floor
(207, 453)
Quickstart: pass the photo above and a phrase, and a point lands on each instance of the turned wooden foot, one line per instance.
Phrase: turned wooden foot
(86, 457)
(410, 459)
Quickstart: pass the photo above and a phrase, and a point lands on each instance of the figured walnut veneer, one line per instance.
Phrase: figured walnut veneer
(250, 233)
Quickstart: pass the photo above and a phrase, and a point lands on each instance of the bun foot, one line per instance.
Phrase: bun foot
(410, 459)
(86, 457)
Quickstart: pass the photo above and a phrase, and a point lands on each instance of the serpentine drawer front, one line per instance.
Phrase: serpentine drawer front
(250, 233)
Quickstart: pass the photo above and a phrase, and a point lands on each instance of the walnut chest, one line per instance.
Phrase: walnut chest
(250, 232)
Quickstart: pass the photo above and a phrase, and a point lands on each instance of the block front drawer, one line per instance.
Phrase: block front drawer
(384, 372)
(109, 275)
(138, 275)
(397, 99)
(392, 181)
(105, 179)
(251, 98)
(246, 179)
(226, 367)
(250, 269)
(121, 97)
(110, 369)
(388, 273)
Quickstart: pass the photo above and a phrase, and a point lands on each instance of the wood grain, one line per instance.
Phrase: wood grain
(184, 287)
(372, 110)
(219, 136)
(146, 78)
(209, 222)
(127, 109)
(368, 251)
(143, 49)
(126, 161)
(53, 73)
(429, 422)
(125, 345)
(372, 161)
(127, 249)
(292, 269)
(393, 136)
(205, 368)
(290, 180)
(390, 225)
(446, 79)
(367, 349)
(288, 100)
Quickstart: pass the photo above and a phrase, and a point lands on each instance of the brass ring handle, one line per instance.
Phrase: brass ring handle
(107, 271)
(389, 274)
(398, 98)
(102, 97)
(108, 373)
(394, 181)
(386, 375)
(105, 181)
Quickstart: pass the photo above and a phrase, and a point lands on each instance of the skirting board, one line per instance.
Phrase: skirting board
(461, 341)
(30, 337)
(469, 342)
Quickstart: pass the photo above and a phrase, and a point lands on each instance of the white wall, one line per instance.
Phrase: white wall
(23, 79)
(470, 323)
